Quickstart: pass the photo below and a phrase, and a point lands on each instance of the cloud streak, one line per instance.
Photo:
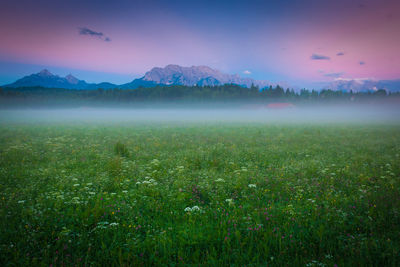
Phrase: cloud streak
(319, 57)
(334, 74)
(89, 32)
(340, 54)
(362, 62)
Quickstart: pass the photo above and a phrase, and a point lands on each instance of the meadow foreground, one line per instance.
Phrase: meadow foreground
(209, 194)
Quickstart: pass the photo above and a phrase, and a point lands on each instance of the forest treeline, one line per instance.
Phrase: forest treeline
(177, 93)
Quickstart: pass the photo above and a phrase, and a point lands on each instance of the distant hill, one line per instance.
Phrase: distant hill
(46, 79)
(137, 83)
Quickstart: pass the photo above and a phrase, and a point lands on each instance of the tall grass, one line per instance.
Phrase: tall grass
(210, 195)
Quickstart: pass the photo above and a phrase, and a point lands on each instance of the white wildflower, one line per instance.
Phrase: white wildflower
(192, 209)
(252, 185)
(230, 201)
(195, 208)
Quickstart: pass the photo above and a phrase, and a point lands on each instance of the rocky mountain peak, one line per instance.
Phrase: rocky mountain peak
(71, 79)
(45, 72)
(196, 75)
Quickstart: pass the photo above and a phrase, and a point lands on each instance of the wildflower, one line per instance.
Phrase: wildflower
(21, 201)
(124, 191)
(195, 208)
(220, 180)
(230, 201)
(252, 186)
(114, 224)
(190, 209)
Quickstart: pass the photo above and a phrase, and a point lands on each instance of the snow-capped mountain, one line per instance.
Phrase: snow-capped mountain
(197, 75)
(359, 85)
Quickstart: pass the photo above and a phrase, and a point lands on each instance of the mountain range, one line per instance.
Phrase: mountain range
(191, 76)
(198, 75)
(170, 75)
(45, 78)
(360, 85)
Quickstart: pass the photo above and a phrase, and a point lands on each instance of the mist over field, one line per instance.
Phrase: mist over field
(200, 133)
(186, 114)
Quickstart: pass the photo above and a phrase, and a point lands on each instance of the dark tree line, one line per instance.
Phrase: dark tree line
(227, 92)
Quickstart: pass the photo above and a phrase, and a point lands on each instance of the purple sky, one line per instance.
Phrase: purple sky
(302, 42)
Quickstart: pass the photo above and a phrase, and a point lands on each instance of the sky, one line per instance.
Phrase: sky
(299, 42)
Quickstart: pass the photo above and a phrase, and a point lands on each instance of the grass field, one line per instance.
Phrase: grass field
(208, 194)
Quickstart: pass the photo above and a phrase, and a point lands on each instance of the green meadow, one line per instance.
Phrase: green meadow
(211, 194)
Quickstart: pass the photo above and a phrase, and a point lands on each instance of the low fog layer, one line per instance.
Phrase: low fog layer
(336, 114)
